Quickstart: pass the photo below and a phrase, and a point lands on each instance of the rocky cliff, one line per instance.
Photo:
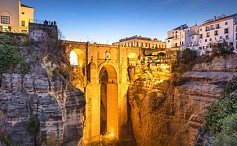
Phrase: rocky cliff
(40, 88)
(166, 115)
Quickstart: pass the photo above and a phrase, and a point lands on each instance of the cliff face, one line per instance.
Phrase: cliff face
(167, 115)
(41, 88)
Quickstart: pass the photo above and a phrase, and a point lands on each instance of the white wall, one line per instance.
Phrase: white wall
(205, 42)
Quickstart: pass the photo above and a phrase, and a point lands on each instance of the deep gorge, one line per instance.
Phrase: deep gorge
(160, 113)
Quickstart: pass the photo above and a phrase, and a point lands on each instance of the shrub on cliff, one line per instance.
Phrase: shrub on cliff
(227, 106)
(189, 55)
(221, 49)
(185, 62)
(228, 135)
(9, 54)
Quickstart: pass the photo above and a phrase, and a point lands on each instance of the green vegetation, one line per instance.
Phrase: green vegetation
(5, 138)
(225, 107)
(33, 126)
(228, 135)
(185, 62)
(221, 49)
(221, 119)
(189, 56)
(9, 54)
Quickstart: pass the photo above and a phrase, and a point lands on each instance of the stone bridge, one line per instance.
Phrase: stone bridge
(101, 71)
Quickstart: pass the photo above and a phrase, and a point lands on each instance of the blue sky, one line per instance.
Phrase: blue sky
(107, 21)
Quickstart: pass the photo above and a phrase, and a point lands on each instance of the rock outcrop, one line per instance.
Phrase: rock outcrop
(42, 90)
(167, 115)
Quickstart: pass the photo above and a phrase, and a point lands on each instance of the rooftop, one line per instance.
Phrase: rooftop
(26, 6)
(181, 27)
(218, 18)
(136, 37)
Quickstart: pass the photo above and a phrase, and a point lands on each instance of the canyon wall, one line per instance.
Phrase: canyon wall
(40, 88)
(164, 114)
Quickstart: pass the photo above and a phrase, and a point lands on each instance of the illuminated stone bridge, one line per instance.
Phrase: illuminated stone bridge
(101, 71)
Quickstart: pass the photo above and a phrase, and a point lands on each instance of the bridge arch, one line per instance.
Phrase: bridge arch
(77, 58)
(108, 100)
(77, 62)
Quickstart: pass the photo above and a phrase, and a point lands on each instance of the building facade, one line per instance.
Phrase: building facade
(200, 38)
(183, 37)
(219, 29)
(143, 42)
(15, 17)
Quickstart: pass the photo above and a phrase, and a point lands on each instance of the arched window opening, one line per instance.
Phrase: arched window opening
(73, 58)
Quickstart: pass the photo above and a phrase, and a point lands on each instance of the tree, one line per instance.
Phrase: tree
(221, 49)
(9, 54)
(189, 55)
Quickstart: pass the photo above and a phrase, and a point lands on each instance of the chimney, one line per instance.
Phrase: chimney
(214, 18)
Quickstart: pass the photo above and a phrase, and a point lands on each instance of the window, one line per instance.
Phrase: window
(226, 23)
(5, 19)
(212, 27)
(200, 36)
(216, 32)
(23, 23)
(217, 26)
(227, 37)
(207, 28)
(22, 13)
(226, 30)
(236, 36)
(192, 37)
(200, 29)
(236, 28)
(208, 34)
(210, 39)
(200, 41)
(205, 40)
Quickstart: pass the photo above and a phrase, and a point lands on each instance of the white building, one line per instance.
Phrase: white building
(235, 31)
(177, 37)
(218, 29)
(15, 17)
(183, 37)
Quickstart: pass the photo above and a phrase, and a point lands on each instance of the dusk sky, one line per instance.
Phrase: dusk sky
(107, 21)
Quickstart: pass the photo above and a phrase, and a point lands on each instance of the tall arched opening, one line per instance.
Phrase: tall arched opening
(108, 101)
(77, 62)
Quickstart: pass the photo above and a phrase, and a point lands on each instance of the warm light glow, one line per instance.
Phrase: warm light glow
(111, 134)
(73, 58)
